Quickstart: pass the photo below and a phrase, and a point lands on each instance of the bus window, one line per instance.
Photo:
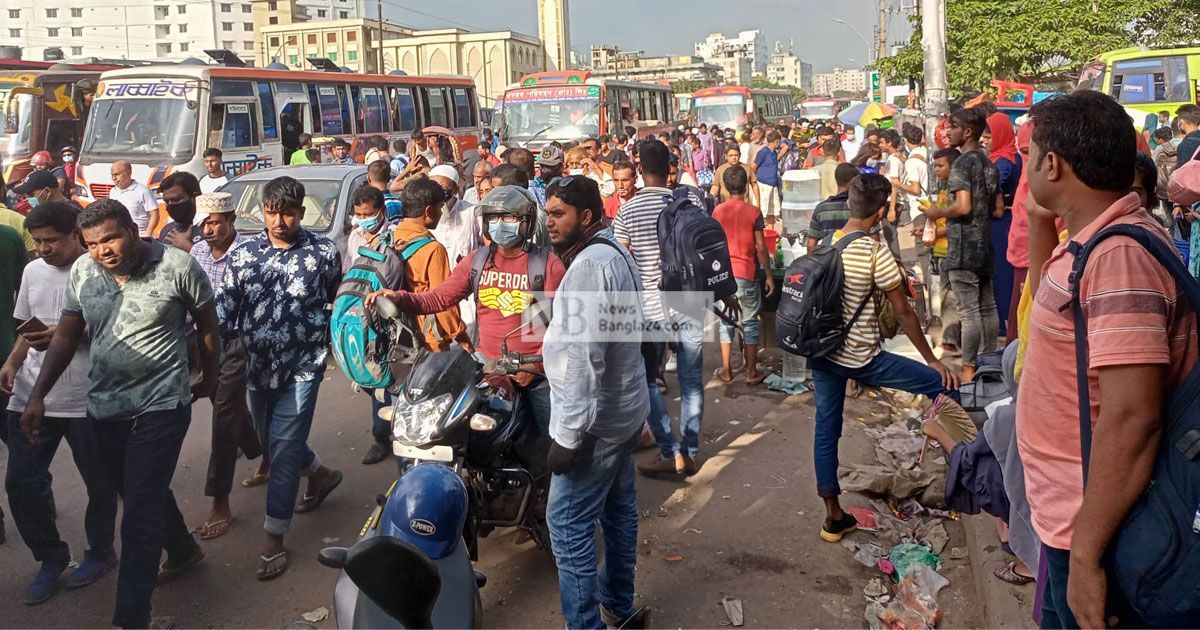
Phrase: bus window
(1151, 80)
(232, 88)
(233, 126)
(462, 108)
(327, 110)
(270, 129)
(62, 133)
(368, 107)
(344, 106)
(404, 109)
(436, 107)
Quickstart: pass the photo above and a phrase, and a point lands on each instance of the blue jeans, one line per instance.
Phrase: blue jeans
(749, 295)
(537, 401)
(285, 416)
(1056, 613)
(603, 487)
(829, 381)
(689, 368)
(380, 430)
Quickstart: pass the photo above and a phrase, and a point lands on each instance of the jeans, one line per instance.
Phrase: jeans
(1056, 613)
(977, 310)
(537, 401)
(829, 382)
(380, 429)
(231, 425)
(689, 368)
(29, 493)
(139, 456)
(749, 295)
(603, 487)
(285, 416)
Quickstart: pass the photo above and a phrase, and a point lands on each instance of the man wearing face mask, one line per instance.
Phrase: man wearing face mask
(40, 187)
(505, 277)
(66, 173)
(179, 191)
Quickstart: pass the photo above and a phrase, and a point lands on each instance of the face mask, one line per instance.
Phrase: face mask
(68, 158)
(33, 201)
(504, 234)
(575, 171)
(182, 213)
(369, 224)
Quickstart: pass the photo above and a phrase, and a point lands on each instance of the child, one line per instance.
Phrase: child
(943, 160)
(868, 268)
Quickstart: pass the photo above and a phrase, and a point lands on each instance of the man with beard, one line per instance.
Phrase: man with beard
(179, 191)
(599, 402)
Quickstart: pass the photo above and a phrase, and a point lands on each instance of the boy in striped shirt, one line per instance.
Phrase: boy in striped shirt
(868, 267)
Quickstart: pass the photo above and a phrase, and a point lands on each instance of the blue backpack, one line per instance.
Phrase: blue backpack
(367, 346)
(1154, 559)
(694, 252)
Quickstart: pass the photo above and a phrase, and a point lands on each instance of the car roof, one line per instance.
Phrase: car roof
(307, 171)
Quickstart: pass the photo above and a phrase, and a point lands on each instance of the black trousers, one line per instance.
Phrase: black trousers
(232, 426)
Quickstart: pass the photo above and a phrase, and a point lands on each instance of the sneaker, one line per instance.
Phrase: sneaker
(639, 619)
(833, 530)
(672, 364)
(45, 583)
(93, 567)
(375, 454)
(664, 466)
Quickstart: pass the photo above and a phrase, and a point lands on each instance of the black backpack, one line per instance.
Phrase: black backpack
(1154, 559)
(808, 321)
(693, 251)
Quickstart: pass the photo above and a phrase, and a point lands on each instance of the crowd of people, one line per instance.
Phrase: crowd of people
(114, 325)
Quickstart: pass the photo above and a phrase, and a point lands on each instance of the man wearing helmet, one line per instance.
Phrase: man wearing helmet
(505, 276)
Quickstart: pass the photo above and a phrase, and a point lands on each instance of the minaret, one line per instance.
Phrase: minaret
(553, 28)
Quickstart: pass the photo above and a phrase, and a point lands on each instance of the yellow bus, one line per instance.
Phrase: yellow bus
(1150, 81)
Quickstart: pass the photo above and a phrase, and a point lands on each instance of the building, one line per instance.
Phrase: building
(843, 80)
(788, 69)
(554, 28)
(734, 70)
(610, 57)
(750, 45)
(611, 62)
(169, 30)
(349, 43)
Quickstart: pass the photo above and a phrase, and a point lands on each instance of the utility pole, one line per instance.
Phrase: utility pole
(379, 44)
(881, 32)
(933, 41)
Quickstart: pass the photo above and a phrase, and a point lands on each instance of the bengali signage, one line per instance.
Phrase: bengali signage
(565, 93)
(724, 99)
(144, 88)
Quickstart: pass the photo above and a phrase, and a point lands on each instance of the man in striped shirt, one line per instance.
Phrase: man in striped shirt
(868, 267)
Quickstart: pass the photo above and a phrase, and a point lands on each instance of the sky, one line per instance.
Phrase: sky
(660, 27)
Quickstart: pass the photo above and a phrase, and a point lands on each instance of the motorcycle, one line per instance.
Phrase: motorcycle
(475, 462)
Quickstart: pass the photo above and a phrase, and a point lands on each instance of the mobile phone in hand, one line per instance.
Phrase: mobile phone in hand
(31, 325)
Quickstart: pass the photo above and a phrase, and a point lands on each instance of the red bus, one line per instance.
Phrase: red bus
(735, 105)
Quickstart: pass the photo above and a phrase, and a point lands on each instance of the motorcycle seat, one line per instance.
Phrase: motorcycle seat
(398, 577)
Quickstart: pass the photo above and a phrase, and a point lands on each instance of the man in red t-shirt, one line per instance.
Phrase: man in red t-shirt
(624, 177)
(743, 224)
(501, 286)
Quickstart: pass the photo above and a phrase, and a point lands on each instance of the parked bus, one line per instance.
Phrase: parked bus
(41, 110)
(549, 106)
(822, 108)
(162, 118)
(1146, 80)
(735, 105)
(683, 106)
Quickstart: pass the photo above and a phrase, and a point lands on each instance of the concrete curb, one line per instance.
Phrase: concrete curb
(1001, 605)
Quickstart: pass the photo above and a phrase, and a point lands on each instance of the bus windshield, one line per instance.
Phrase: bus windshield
(723, 110)
(1092, 77)
(141, 127)
(552, 113)
(16, 144)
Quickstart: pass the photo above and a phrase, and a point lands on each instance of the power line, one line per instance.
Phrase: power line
(430, 15)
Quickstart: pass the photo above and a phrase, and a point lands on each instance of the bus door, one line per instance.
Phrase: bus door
(235, 126)
(291, 103)
(62, 118)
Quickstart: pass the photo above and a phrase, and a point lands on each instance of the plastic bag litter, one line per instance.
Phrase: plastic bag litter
(915, 605)
(905, 555)
(936, 537)
(866, 553)
(883, 481)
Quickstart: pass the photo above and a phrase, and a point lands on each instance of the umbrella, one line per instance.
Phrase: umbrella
(866, 113)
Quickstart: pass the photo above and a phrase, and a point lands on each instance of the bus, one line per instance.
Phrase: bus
(734, 106)
(822, 108)
(559, 106)
(683, 106)
(1149, 81)
(162, 118)
(41, 110)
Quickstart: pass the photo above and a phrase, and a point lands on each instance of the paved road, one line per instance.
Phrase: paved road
(746, 527)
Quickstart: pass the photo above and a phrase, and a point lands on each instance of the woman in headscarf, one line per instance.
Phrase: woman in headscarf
(1003, 153)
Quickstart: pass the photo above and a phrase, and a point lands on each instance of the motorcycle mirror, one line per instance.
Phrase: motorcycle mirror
(332, 557)
(387, 308)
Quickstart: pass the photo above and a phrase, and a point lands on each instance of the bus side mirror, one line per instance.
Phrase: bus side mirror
(12, 115)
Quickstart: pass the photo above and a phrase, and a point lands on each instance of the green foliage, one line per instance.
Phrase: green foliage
(687, 86)
(1175, 23)
(1029, 40)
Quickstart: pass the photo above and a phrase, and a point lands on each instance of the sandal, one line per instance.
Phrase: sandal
(310, 502)
(762, 376)
(1008, 574)
(256, 479)
(271, 567)
(214, 529)
(717, 375)
(172, 569)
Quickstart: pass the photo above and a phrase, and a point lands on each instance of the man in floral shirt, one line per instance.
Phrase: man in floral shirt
(274, 296)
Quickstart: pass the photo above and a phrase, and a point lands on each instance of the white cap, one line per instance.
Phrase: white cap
(445, 170)
(212, 203)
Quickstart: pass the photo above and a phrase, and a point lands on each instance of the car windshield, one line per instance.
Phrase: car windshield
(552, 119)
(14, 145)
(141, 127)
(320, 203)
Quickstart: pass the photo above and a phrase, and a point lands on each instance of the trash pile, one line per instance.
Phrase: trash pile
(904, 534)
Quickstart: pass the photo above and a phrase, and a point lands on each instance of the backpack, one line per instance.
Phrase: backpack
(536, 269)
(1154, 559)
(808, 320)
(1165, 163)
(693, 251)
(365, 345)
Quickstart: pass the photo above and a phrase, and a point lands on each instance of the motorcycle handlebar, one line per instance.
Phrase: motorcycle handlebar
(529, 358)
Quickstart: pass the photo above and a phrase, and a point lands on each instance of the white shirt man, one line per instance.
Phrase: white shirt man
(139, 201)
(209, 184)
(459, 231)
(916, 171)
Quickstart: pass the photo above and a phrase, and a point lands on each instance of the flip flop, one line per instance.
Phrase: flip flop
(256, 479)
(1008, 574)
(214, 529)
(717, 375)
(265, 572)
(762, 376)
(169, 571)
(309, 502)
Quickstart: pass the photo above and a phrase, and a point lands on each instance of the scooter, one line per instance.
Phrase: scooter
(475, 462)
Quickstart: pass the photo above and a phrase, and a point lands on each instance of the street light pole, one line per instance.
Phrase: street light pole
(870, 49)
(933, 41)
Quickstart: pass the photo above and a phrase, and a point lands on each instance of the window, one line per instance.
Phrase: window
(311, 38)
(62, 133)
(162, 30)
(248, 27)
(76, 12)
(403, 108)
(226, 8)
(270, 131)
(272, 20)
(369, 108)
(331, 38)
(52, 32)
(160, 13)
(1151, 80)
(330, 113)
(343, 15)
(51, 13)
(227, 45)
(14, 32)
(164, 49)
(351, 36)
(226, 26)
(233, 126)
(248, 45)
(321, 13)
(274, 41)
(183, 47)
(14, 13)
(183, 28)
(436, 108)
(333, 56)
(181, 9)
(271, 6)
(462, 108)
(352, 55)
(76, 51)
(246, 8)
(293, 60)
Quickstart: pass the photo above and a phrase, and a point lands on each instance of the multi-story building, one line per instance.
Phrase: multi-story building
(841, 80)
(734, 70)
(750, 45)
(788, 69)
(132, 29)
(350, 43)
(609, 61)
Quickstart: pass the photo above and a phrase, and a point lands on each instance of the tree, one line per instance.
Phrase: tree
(761, 83)
(1174, 24)
(1025, 40)
(687, 86)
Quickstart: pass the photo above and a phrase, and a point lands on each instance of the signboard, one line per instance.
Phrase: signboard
(568, 93)
(148, 88)
(726, 99)
(876, 91)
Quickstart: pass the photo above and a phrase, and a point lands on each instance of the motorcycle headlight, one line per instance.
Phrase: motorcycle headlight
(414, 424)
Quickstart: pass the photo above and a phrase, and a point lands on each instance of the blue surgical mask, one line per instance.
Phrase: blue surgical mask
(369, 224)
(504, 234)
(33, 201)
